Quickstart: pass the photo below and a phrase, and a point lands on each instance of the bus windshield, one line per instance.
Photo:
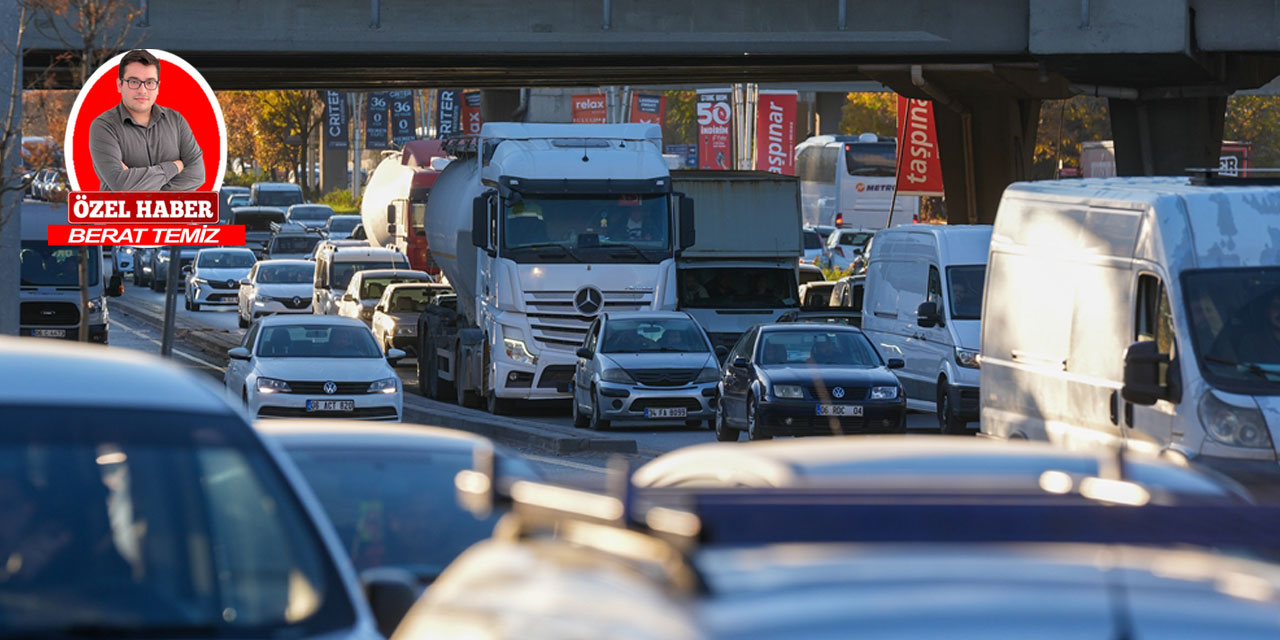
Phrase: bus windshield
(46, 266)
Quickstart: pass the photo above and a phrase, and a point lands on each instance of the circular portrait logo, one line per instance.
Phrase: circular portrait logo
(146, 121)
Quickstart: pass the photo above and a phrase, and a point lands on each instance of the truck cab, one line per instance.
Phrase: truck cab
(49, 295)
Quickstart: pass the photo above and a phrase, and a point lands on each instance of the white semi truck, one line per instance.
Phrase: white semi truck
(540, 228)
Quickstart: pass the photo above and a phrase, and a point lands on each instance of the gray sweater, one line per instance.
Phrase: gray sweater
(148, 151)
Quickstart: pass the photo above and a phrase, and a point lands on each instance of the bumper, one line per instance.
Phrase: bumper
(1260, 477)
(205, 294)
(966, 402)
(97, 333)
(800, 418)
(630, 402)
(374, 406)
(549, 380)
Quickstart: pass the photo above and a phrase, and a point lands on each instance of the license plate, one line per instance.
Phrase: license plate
(49, 333)
(840, 410)
(673, 412)
(331, 405)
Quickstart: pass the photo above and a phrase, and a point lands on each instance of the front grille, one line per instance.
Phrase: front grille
(640, 404)
(224, 284)
(303, 303)
(388, 413)
(317, 388)
(850, 393)
(49, 313)
(556, 376)
(664, 377)
(557, 324)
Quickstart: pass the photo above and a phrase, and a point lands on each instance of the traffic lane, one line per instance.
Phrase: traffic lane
(220, 317)
(127, 334)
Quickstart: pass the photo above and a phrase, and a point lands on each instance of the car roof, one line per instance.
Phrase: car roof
(389, 273)
(224, 250)
(273, 320)
(354, 434)
(645, 315)
(285, 261)
(791, 326)
(810, 267)
(313, 205)
(344, 216)
(276, 185)
(38, 372)
(357, 252)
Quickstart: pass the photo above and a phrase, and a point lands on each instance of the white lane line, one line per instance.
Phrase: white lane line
(179, 352)
(566, 463)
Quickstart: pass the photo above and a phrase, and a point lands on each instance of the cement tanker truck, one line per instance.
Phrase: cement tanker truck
(540, 228)
(395, 200)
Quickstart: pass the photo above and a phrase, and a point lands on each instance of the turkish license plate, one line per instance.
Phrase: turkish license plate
(840, 410)
(49, 333)
(331, 405)
(671, 412)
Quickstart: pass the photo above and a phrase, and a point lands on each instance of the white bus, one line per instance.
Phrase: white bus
(848, 181)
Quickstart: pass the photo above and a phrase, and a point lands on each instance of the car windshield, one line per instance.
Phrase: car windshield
(738, 288)
(411, 299)
(871, 158)
(643, 335)
(257, 220)
(343, 271)
(225, 260)
(394, 507)
(238, 201)
(46, 266)
(317, 341)
(310, 214)
(286, 274)
(965, 284)
(1235, 326)
(343, 224)
(294, 244)
(279, 197)
(559, 228)
(372, 288)
(155, 523)
(818, 347)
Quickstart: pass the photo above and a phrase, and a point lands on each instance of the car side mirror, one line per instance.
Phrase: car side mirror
(380, 308)
(740, 363)
(115, 286)
(244, 282)
(346, 297)
(391, 215)
(584, 352)
(238, 353)
(927, 315)
(857, 251)
(186, 269)
(390, 592)
(1143, 363)
(896, 363)
(722, 352)
(394, 355)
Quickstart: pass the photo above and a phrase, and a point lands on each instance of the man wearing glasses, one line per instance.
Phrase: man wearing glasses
(138, 145)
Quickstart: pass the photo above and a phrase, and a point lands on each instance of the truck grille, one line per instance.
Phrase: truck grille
(663, 377)
(49, 313)
(555, 376)
(721, 339)
(557, 324)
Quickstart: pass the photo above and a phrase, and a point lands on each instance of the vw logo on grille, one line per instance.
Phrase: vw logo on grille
(838, 392)
(588, 300)
(330, 387)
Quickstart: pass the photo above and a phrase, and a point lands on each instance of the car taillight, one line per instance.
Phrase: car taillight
(839, 219)
(915, 219)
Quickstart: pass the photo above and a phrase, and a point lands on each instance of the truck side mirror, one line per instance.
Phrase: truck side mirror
(1142, 363)
(391, 214)
(688, 233)
(927, 314)
(480, 222)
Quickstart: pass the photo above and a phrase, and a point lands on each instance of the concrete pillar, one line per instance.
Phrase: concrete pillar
(10, 155)
(829, 108)
(499, 105)
(1002, 139)
(1167, 137)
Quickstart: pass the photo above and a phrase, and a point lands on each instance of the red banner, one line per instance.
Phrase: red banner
(187, 235)
(471, 118)
(589, 108)
(142, 207)
(776, 132)
(919, 169)
(648, 108)
(715, 138)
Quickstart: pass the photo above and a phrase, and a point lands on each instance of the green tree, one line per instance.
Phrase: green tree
(1064, 124)
(681, 126)
(1255, 119)
(870, 113)
(286, 120)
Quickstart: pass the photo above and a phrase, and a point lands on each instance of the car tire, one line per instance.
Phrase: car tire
(241, 321)
(156, 286)
(948, 422)
(754, 432)
(597, 423)
(186, 303)
(193, 306)
(724, 432)
(498, 406)
(579, 421)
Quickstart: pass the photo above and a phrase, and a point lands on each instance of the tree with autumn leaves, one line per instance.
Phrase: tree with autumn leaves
(270, 129)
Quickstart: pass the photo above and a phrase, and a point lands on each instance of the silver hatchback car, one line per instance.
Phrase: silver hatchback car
(654, 366)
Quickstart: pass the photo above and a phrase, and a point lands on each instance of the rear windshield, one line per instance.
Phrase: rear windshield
(343, 225)
(294, 244)
(279, 197)
(257, 220)
(310, 213)
(341, 272)
(812, 240)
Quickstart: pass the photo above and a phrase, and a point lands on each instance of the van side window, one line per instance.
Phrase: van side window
(1153, 319)
(934, 292)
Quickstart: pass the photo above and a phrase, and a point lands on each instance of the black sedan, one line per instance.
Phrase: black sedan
(806, 379)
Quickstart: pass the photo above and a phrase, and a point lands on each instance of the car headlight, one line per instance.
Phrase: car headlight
(708, 374)
(271, 385)
(261, 298)
(967, 358)
(884, 393)
(95, 305)
(788, 391)
(385, 385)
(518, 352)
(617, 375)
(127, 250)
(1235, 426)
(407, 330)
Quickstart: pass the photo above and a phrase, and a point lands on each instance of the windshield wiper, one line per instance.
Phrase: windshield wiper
(634, 249)
(1250, 367)
(550, 245)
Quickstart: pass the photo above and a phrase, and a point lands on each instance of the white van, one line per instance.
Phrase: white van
(922, 302)
(275, 194)
(49, 295)
(1137, 311)
(336, 264)
(848, 182)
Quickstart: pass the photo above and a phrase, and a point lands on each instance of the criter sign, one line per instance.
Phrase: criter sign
(919, 169)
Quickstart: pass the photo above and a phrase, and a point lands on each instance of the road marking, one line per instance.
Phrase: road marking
(566, 463)
(179, 352)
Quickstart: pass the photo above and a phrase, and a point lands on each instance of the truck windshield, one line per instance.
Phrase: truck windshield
(965, 285)
(738, 288)
(46, 266)
(871, 158)
(1235, 325)
(582, 226)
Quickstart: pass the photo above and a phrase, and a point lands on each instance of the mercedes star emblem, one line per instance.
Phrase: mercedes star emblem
(838, 392)
(588, 300)
(331, 387)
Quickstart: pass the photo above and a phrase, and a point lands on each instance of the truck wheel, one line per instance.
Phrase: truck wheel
(597, 422)
(426, 373)
(579, 421)
(948, 422)
(724, 432)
